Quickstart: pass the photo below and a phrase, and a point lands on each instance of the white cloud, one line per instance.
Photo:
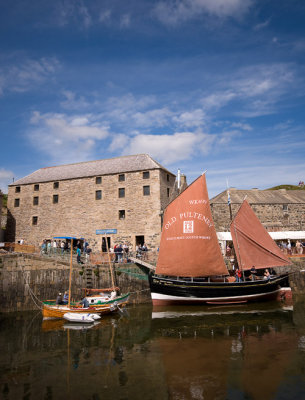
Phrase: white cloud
(27, 74)
(168, 149)
(172, 12)
(6, 178)
(125, 21)
(262, 25)
(190, 119)
(66, 138)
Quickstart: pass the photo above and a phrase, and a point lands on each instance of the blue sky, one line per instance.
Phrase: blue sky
(216, 85)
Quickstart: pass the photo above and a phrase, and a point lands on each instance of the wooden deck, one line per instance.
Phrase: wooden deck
(143, 263)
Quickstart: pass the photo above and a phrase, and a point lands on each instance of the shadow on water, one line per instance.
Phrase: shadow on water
(240, 352)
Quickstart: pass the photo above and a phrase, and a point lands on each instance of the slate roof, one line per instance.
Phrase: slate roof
(109, 166)
(255, 196)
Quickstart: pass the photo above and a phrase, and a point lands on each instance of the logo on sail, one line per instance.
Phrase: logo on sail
(188, 226)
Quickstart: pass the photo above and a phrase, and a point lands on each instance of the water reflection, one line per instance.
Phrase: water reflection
(244, 352)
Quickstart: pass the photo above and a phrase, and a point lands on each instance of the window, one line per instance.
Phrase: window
(167, 177)
(121, 192)
(98, 195)
(168, 190)
(285, 207)
(121, 177)
(146, 190)
(35, 201)
(121, 214)
(146, 175)
(17, 203)
(98, 180)
(34, 220)
(36, 188)
(17, 189)
(55, 185)
(55, 198)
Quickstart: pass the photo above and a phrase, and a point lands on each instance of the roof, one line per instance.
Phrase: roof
(255, 196)
(109, 166)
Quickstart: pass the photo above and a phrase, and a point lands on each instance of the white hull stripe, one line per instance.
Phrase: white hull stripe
(158, 296)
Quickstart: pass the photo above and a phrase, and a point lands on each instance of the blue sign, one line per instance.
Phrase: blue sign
(106, 231)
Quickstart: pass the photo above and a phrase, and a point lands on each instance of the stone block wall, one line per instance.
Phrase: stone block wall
(26, 280)
(78, 213)
(272, 216)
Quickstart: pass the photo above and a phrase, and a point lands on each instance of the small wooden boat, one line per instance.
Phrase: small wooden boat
(81, 317)
(51, 311)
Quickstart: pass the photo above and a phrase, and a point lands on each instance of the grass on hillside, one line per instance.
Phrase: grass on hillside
(288, 187)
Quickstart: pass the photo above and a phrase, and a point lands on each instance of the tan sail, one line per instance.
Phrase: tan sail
(189, 245)
(252, 243)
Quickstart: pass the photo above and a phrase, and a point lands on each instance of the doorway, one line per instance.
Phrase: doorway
(140, 240)
(104, 245)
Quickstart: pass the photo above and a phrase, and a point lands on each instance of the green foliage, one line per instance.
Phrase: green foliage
(287, 187)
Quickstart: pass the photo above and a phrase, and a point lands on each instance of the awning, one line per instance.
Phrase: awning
(281, 235)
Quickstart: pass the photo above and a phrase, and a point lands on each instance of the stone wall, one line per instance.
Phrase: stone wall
(24, 275)
(78, 213)
(272, 216)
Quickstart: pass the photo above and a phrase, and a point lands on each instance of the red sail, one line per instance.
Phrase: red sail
(189, 245)
(252, 243)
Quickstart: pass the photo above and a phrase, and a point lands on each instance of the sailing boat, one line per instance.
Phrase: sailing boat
(52, 310)
(191, 268)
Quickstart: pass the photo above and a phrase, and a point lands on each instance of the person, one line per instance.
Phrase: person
(65, 299)
(253, 273)
(49, 248)
(88, 251)
(43, 247)
(120, 253)
(54, 247)
(78, 254)
(238, 275)
(299, 247)
(144, 250)
(266, 275)
(289, 247)
(59, 299)
(85, 302)
(62, 247)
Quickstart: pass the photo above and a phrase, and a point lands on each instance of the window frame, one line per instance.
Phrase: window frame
(17, 189)
(121, 178)
(55, 185)
(35, 200)
(17, 202)
(145, 189)
(35, 220)
(55, 199)
(98, 180)
(36, 187)
(121, 191)
(146, 175)
(122, 215)
(97, 194)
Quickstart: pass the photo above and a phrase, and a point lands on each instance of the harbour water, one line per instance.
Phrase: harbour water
(242, 352)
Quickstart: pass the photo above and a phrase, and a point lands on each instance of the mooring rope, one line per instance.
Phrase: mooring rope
(34, 298)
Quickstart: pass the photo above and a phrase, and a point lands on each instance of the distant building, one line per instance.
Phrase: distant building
(126, 195)
(278, 210)
(1, 202)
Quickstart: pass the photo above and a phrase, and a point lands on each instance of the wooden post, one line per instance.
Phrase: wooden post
(70, 277)
(110, 266)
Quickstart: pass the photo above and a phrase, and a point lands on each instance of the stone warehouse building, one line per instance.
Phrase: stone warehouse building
(126, 195)
(278, 210)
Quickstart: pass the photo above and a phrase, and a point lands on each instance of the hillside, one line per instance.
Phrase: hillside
(288, 187)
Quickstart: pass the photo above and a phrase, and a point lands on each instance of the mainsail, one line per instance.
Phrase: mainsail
(252, 243)
(189, 245)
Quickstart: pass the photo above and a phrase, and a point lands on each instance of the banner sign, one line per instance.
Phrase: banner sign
(106, 231)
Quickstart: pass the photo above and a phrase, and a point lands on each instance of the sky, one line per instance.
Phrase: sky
(199, 85)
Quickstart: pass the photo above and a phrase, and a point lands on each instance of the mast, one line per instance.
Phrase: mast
(70, 276)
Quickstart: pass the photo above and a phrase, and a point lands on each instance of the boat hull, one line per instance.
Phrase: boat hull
(52, 311)
(58, 311)
(166, 291)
